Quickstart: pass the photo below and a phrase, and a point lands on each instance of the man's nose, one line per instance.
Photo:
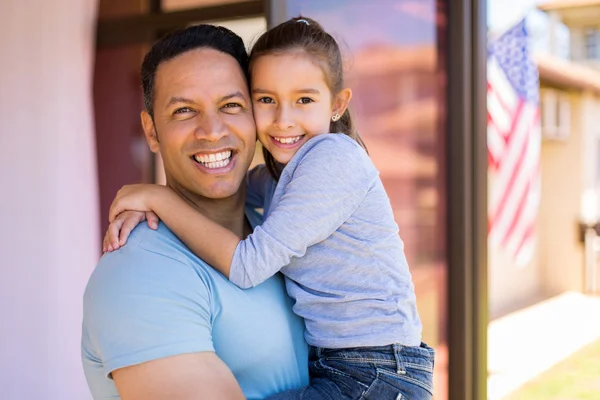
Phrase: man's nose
(211, 127)
(283, 119)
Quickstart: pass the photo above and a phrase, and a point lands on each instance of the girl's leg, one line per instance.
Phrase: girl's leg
(324, 389)
(392, 372)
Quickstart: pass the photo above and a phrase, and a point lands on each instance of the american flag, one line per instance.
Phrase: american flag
(514, 141)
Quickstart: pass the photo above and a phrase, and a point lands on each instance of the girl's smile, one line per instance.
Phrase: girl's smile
(292, 102)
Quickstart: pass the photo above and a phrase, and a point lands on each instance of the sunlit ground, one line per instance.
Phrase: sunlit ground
(576, 378)
(527, 347)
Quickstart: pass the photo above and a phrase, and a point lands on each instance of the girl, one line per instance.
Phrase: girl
(329, 227)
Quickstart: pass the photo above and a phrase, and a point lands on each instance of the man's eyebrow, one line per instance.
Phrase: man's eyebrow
(175, 100)
(233, 95)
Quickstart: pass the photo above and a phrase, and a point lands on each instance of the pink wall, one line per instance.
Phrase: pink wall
(48, 200)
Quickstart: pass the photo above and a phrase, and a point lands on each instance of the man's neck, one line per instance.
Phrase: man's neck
(228, 212)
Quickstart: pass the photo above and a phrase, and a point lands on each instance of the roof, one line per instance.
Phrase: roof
(553, 5)
(567, 74)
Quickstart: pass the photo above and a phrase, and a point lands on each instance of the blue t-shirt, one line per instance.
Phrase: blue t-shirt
(153, 298)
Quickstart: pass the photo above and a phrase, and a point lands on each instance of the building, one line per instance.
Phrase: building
(570, 167)
(71, 100)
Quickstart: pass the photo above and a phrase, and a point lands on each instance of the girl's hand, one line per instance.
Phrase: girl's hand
(134, 198)
(119, 230)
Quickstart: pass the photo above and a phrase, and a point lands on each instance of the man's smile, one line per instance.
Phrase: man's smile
(215, 162)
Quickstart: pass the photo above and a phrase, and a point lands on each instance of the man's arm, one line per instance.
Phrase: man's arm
(147, 318)
(183, 377)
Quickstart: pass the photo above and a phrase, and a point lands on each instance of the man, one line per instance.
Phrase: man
(159, 323)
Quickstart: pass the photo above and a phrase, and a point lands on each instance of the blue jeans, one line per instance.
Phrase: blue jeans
(393, 372)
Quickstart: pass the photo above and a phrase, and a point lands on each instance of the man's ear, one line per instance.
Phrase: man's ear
(341, 101)
(150, 131)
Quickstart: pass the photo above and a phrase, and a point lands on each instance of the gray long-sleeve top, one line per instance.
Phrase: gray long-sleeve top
(329, 228)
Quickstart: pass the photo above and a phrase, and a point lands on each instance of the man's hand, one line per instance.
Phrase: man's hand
(137, 197)
(184, 377)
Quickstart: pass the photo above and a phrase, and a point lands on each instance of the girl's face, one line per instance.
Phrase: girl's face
(292, 102)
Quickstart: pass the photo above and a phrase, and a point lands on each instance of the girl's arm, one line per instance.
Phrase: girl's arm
(121, 227)
(209, 240)
(258, 180)
(330, 177)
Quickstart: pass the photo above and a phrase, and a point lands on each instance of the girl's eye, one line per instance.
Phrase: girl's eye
(305, 100)
(183, 110)
(266, 100)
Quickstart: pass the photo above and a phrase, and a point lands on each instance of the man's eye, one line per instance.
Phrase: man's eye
(305, 100)
(183, 110)
(232, 108)
(266, 100)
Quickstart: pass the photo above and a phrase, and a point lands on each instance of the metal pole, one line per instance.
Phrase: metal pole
(590, 241)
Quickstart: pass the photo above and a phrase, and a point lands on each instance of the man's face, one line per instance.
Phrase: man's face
(203, 123)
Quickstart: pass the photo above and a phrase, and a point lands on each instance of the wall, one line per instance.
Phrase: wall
(512, 287)
(48, 207)
(122, 153)
(563, 169)
(568, 168)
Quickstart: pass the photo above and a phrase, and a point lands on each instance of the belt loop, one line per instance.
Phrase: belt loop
(399, 364)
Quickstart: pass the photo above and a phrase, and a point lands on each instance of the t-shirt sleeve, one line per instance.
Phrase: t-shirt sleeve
(141, 306)
(257, 181)
(329, 182)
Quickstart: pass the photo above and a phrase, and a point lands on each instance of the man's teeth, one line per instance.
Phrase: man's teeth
(214, 160)
(288, 140)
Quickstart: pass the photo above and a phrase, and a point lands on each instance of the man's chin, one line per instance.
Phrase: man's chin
(220, 190)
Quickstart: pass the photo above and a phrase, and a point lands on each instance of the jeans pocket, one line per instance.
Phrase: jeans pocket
(414, 384)
(350, 382)
(383, 389)
(322, 366)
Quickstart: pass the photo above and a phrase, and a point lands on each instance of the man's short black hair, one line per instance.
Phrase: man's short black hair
(184, 40)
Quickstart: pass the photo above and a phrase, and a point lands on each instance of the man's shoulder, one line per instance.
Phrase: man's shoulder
(143, 302)
(145, 244)
(150, 261)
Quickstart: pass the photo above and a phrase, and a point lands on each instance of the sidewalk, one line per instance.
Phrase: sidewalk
(523, 344)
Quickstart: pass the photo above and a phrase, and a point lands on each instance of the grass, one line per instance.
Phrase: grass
(576, 378)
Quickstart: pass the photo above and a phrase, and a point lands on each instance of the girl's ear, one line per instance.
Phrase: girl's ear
(341, 101)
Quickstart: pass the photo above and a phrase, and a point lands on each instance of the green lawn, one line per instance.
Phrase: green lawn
(576, 378)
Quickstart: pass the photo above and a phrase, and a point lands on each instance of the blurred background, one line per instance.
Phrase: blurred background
(483, 118)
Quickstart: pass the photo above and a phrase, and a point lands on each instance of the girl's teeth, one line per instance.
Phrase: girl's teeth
(288, 140)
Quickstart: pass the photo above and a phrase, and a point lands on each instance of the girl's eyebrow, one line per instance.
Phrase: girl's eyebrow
(262, 91)
(309, 90)
(265, 91)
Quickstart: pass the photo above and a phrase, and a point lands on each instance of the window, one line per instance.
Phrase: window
(556, 114)
(592, 43)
